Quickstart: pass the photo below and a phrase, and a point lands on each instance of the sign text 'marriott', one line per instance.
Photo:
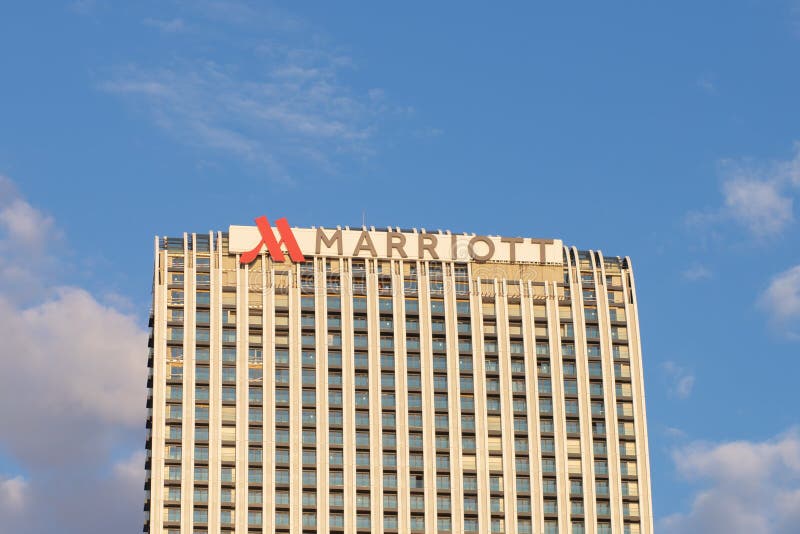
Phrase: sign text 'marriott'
(388, 244)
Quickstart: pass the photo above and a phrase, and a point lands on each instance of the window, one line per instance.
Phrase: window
(389, 480)
(254, 517)
(546, 426)
(228, 335)
(468, 422)
(600, 448)
(172, 472)
(601, 467)
(548, 465)
(571, 407)
(522, 465)
(229, 374)
(544, 386)
(282, 518)
(201, 473)
(524, 504)
(573, 427)
(201, 412)
(571, 387)
(363, 521)
(466, 383)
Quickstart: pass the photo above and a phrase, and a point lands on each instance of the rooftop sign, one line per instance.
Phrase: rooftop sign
(387, 244)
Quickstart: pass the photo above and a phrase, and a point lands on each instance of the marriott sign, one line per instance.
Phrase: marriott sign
(391, 243)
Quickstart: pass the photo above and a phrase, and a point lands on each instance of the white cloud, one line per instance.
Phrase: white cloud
(131, 470)
(13, 494)
(57, 502)
(758, 197)
(790, 170)
(78, 363)
(747, 487)
(21, 225)
(697, 272)
(72, 388)
(83, 361)
(29, 244)
(681, 381)
(781, 299)
(759, 206)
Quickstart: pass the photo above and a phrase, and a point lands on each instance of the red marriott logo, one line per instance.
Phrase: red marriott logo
(272, 244)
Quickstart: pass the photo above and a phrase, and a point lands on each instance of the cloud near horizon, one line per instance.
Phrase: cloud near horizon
(73, 388)
(747, 487)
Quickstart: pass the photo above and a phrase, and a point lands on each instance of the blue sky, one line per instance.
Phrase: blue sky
(665, 131)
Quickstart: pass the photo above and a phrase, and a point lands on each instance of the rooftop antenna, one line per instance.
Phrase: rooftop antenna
(364, 218)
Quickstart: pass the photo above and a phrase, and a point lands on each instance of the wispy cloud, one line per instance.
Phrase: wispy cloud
(280, 107)
(681, 380)
(758, 197)
(781, 301)
(429, 133)
(748, 487)
(674, 432)
(707, 84)
(697, 272)
(167, 26)
(82, 6)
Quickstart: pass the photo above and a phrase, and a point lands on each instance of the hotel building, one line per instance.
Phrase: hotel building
(393, 381)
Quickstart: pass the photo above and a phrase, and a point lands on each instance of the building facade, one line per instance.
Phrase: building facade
(393, 381)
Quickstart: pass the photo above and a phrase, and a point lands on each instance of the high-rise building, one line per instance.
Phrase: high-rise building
(368, 380)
